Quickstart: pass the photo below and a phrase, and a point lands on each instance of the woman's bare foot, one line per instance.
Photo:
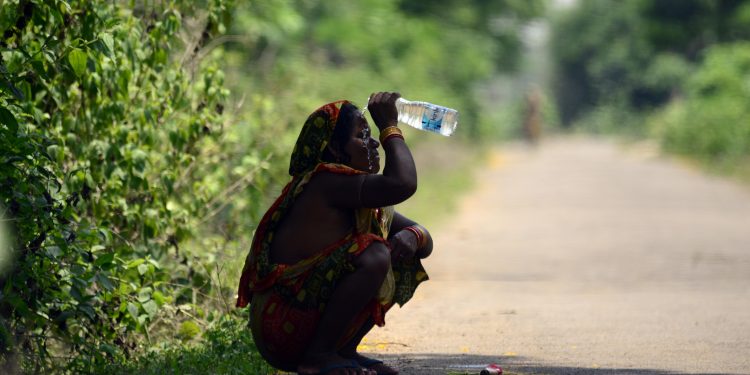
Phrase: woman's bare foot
(375, 365)
(332, 364)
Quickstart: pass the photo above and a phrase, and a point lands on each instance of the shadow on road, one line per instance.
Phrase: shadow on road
(423, 364)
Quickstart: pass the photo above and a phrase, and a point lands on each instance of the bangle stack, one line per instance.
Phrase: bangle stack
(390, 132)
(420, 233)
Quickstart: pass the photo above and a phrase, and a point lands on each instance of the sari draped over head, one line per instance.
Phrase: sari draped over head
(287, 300)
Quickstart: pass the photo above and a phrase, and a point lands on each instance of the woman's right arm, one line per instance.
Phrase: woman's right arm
(398, 181)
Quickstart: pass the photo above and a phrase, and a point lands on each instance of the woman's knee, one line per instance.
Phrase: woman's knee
(375, 258)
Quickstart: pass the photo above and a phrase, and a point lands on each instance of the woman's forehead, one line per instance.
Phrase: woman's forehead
(361, 122)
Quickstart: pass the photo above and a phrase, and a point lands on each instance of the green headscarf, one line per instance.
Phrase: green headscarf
(314, 137)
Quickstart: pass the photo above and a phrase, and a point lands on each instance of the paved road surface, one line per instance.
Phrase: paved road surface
(583, 257)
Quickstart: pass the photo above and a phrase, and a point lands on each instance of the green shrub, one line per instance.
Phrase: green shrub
(712, 120)
(188, 330)
(102, 130)
(226, 347)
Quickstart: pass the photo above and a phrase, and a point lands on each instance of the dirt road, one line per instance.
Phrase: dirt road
(583, 257)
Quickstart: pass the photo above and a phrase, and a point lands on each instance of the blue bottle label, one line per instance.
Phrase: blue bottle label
(432, 119)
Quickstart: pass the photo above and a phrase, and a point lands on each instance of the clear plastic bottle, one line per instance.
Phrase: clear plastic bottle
(427, 116)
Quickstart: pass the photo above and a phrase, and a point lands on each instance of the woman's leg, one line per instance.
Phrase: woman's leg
(350, 351)
(351, 296)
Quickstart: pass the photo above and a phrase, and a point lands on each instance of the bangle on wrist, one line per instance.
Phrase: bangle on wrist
(420, 234)
(394, 135)
(423, 232)
(390, 132)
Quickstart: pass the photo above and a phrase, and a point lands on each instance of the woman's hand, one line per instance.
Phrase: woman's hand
(403, 245)
(382, 108)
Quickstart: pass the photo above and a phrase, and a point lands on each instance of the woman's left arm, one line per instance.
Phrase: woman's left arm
(409, 239)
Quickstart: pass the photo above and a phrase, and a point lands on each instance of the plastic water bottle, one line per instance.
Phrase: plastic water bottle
(427, 116)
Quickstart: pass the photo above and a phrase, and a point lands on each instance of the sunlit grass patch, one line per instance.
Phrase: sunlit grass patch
(226, 347)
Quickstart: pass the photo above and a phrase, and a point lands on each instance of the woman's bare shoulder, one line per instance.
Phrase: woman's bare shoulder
(336, 189)
(311, 224)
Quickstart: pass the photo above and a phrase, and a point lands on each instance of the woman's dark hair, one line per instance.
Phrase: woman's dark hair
(341, 133)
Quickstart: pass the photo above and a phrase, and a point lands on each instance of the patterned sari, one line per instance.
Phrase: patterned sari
(287, 300)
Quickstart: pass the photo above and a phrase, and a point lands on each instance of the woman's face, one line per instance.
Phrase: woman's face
(361, 147)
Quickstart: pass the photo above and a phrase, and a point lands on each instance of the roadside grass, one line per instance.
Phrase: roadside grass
(733, 169)
(226, 347)
(633, 127)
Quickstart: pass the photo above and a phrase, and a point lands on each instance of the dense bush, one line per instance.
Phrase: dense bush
(225, 349)
(712, 119)
(104, 126)
(635, 55)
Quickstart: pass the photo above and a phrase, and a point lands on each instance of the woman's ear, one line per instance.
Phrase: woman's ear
(333, 151)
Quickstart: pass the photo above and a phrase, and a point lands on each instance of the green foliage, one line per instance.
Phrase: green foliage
(712, 120)
(636, 54)
(599, 56)
(226, 347)
(438, 51)
(688, 27)
(498, 21)
(188, 330)
(103, 131)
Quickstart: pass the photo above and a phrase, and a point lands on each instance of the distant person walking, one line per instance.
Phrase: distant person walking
(532, 120)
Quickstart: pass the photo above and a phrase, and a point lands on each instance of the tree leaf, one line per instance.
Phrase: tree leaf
(151, 308)
(104, 259)
(76, 294)
(108, 42)
(88, 310)
(105, 44)
(135, 263)
(133, 310)
(158, 298)
(144, 294)
(18, 304)
(142, 268)
(9, 120)
(77, 59)
(109, 349)
(104, 281)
